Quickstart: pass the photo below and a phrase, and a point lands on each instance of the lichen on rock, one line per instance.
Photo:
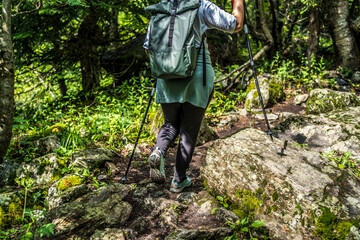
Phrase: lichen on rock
(326, 100)
(271, 92)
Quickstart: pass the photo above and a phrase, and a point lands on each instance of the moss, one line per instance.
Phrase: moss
(299, 209)
(275, 196)
(322, 102)
(328, 226)
(276, 92)
(263, 183)
(2, 218)
(10, 213)
(268, 210)
(274, 208)
(252, 168)
(343, 229)
(68, 182)
(259, 191)
(248, 205)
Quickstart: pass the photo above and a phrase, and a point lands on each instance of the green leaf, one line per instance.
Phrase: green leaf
(221, 199)
(244, 221)
(244, 229)
(257, 223)
(213, 210)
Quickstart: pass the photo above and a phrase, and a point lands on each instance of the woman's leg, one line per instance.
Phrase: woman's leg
(170, 129)
(192, 117)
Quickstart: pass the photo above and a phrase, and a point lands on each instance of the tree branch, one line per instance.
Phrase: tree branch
(245, 65)
(37, 8)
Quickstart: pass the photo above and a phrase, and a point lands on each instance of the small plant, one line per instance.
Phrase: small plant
(27, 184)
(244, 227)
(46, 230)
(223, 201)
(344, 160)
(302, 145)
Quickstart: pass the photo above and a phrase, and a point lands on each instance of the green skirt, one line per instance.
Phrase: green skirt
(190, 89)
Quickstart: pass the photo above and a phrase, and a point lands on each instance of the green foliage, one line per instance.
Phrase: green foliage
(246, 206)
(297, 74)
(46, 230)
(345, 161)
(244, 227)
(328, 226)
(222, 103)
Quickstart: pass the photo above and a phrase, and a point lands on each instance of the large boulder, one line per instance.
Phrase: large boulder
(8, 172)
(81, 218)
(334, 131)
(271, 92)
(47, 144)
(295, 187)
(44, 169)
(91, 158)
(194, 234)
(327, 100)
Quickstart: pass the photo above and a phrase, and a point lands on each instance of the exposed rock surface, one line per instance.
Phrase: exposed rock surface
(295, 185)
(7, 172)
(48, 144)
(299, 99)
(190, 234)
(91, 158)
(326, 100)
(271, 92)
(79, 219)
(355, 78)
(44, 169)
(336, 130)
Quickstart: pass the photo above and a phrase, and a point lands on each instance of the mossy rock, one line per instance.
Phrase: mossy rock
(271, 93)
(44, 169)
(11, 209)
(68, 182)
(326, 100)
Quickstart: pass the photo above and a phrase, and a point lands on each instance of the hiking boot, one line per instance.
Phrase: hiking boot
(178, 187)
(156, 161)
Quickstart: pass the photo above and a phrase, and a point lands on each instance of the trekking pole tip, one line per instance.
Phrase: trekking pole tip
(124, 179)
(269, 132)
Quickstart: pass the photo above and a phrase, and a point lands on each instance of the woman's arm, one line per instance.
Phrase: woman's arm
(238, 12)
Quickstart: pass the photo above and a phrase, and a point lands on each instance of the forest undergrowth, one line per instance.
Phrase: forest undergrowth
(110, 117)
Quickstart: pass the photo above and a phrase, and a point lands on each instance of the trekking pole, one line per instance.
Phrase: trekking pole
(138, 136)
(269, 132)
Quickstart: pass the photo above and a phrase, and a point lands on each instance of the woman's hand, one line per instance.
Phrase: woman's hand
(238, 12)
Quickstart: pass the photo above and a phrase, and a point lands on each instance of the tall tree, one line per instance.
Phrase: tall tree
(6, 79)
(314, 33)
(343, 38)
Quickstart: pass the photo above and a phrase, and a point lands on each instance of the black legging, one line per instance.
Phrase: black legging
(184, 119)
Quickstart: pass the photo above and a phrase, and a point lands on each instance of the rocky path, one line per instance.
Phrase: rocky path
(157, 212)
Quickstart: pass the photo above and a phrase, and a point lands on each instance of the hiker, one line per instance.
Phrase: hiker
(184, 101)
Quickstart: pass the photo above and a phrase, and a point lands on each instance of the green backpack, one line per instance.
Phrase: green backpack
(172, 48)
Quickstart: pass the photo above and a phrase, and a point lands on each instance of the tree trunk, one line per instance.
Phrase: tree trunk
(89, 57)
(62, 86)
(343, 38)
(6, 79)
(314, 30)
(265, 27)
(276, 24)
